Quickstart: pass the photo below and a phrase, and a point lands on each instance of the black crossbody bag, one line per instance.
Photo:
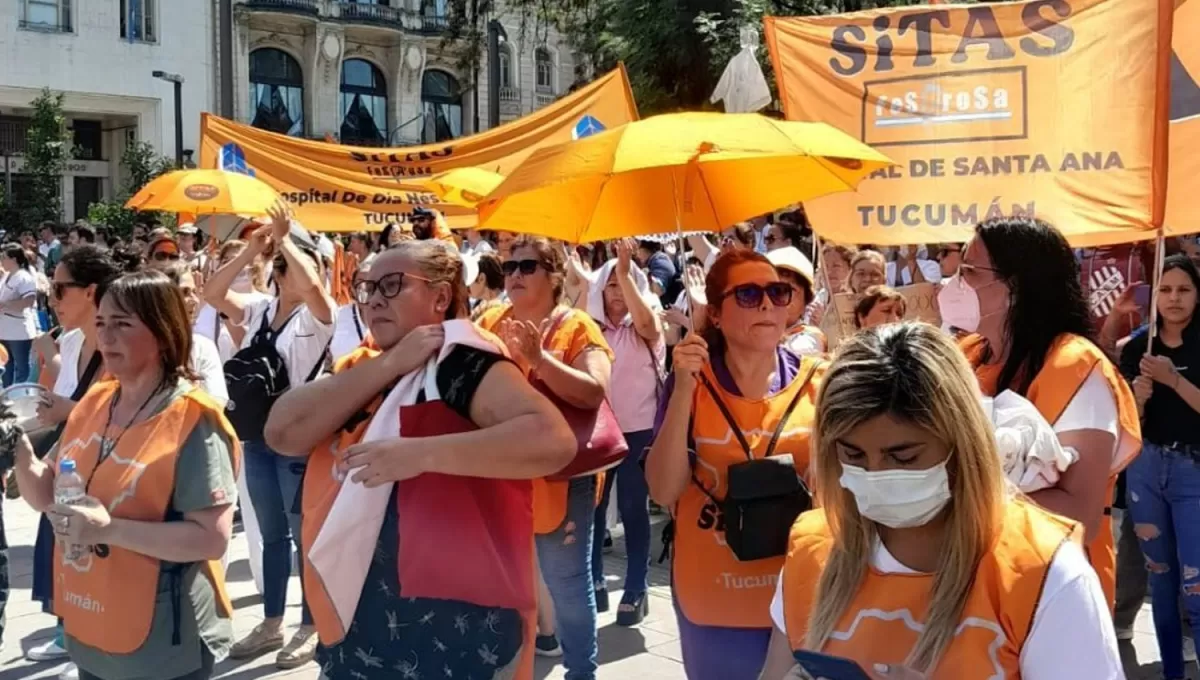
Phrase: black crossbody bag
(765, 495)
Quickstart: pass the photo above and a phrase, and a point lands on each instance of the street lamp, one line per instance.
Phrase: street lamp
(177, 80)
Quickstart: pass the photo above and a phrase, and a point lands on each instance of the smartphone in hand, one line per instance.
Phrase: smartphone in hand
(825, 667)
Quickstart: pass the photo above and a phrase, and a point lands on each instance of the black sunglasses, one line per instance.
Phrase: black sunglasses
(527, 267)
(388, 285)
(60, 287)
(750, 295)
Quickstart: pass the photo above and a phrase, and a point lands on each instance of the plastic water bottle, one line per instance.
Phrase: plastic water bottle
(69, 489)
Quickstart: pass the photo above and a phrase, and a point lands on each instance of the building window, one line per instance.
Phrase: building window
(13, 133)
(441, 104)
(46, 15)
(545, 70)
(364, 104)
(505, 58)
(138, 19)
(436, 14)
(276, 92)
(88, 136)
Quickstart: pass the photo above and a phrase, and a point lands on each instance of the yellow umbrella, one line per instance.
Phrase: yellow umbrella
(685, 171)
(206, 192)
(462, 186)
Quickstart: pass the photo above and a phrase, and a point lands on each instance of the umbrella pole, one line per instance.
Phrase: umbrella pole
(1159, 253)
(682, 257)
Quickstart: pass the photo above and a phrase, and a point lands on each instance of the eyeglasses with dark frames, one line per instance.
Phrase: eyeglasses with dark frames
(388, 286)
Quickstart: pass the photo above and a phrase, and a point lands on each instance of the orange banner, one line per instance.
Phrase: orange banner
(1050, 108)
(333, 187)
(1183, 186)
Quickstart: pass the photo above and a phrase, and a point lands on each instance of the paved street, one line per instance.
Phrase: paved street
(650, 652)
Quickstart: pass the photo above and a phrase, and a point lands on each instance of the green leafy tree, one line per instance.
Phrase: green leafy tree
(140, 164)
(674, 50)
(47, 148)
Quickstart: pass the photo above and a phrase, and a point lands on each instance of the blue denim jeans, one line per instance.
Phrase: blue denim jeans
(274, 482)
(1163, 488)
(565, 557)
(633, 503)
(16, 370)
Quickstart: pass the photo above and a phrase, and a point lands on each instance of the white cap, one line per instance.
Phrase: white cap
(792, 259)
(470, 268)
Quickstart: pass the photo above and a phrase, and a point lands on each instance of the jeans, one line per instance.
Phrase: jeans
(1131, 572)
(633, 502)
(564, 556)
(1164, 500)
(16, 370)
(274, 483)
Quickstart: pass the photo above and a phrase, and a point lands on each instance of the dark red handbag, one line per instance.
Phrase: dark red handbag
(601, 444)
(468, 539)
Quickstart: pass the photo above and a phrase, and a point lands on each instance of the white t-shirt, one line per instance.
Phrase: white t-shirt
(206, 361)
(1072, 634)
(1094, 407)
(21, 325)
(206, 324)
(478, 249)
(70, 344)
(349, 329)
(301, 343)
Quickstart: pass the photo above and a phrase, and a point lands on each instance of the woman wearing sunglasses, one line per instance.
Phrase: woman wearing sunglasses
(1018, 295)
(736, 395)
(567, 352)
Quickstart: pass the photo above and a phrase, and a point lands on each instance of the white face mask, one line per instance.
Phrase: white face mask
(959, 305)
(242, 284)
(898, 498)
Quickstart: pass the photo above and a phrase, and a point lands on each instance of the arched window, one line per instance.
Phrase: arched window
(276, 92)
(441, 102)
(506, 74)
(544, 66)
(363, 104)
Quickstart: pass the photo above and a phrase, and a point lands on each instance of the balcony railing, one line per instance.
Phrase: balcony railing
(301, 6)
(510, 94)
(541, 99)
(358, 12)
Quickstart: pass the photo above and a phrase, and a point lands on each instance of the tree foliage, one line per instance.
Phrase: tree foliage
(674, 50)
(140, 164)
(48, 146)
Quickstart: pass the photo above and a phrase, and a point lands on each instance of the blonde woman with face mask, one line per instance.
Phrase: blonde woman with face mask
(923, 564)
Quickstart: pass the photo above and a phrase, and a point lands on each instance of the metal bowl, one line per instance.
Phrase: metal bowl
(24, 399)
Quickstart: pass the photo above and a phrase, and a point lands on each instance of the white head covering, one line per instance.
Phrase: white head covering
(599, 279)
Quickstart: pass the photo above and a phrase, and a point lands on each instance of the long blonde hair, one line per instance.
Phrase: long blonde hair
(912, 372)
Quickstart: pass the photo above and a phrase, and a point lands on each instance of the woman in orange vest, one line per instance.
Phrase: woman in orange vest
(1018, 294)
(139, 583)
(922, 562)
(449, 591)
(736, 397)
(567, 352)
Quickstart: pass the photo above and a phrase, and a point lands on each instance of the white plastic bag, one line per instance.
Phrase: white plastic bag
(1029, 449)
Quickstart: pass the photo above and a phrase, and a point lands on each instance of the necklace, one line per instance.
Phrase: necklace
(107, 446)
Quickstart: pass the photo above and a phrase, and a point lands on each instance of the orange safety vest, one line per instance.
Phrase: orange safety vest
(549, 495)
(1069, 362)
(712, 586)
(321, 490)
(882, 622)
(107, 601)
